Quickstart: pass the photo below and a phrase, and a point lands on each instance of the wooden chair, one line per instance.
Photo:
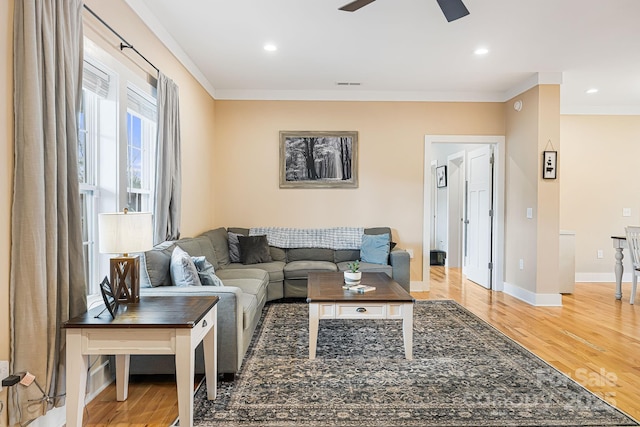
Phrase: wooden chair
(633, 242)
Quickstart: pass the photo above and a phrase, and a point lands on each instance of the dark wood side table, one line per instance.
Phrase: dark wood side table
(155, 325)
(327, 300)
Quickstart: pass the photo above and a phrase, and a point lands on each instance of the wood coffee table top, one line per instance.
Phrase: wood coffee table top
(327, 287)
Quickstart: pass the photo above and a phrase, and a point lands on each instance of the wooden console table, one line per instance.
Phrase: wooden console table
(155, 325)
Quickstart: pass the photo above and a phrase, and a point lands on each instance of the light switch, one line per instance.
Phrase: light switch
(626, 211)
(530, 213)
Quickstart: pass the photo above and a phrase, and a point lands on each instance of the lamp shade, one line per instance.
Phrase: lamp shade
(122, 233)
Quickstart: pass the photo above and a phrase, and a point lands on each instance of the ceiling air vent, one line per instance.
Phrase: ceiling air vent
(348, 84)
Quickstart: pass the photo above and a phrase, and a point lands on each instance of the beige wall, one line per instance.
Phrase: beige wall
(599, 171)
(6, 177)
(197, 107)
(536, 240)
(391, 153)
(548, 206)
(521, 190)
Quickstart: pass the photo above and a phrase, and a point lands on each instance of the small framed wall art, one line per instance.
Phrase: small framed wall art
(441, 176)
(549, 164)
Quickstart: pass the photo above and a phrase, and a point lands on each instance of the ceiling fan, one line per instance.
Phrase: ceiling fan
(452, 9)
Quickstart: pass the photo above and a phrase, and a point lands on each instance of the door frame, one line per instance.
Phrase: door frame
(498, 141)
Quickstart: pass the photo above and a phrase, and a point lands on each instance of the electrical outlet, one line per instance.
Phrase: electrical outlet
(626, 211)
(600, 254)
(521, 264)
(410, 251)
(4, 371)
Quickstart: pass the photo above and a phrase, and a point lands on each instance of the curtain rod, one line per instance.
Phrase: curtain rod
(125, 44)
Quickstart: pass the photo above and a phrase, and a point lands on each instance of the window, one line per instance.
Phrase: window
(141, 136)
(116, 150)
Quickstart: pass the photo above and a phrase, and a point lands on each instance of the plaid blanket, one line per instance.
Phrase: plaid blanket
(329, 238)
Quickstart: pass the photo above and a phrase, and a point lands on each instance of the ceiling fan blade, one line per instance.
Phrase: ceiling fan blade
(355, 5)
(453, 9)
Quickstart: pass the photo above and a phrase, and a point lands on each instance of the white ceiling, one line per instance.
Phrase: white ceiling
(406, 50)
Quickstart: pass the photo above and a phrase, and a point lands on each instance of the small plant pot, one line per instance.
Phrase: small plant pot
(352, 278)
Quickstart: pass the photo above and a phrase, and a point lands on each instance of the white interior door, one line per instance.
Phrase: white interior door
(478, 218)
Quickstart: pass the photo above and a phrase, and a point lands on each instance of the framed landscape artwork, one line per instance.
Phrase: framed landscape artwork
(318, 159)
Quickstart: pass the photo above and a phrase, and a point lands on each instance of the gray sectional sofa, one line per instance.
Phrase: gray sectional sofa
(247, 287)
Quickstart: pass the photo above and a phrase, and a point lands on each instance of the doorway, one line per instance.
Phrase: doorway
(457, 236)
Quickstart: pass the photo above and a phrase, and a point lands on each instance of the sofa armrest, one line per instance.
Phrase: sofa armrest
(399, 260)
(230, 342)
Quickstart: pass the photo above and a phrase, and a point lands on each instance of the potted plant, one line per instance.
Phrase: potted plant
(353, 275)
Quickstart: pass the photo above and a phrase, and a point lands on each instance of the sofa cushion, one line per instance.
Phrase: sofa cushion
(309, 254)
(254, 249)
(343, 255)
(274, 268)
(183, 270)
(249, 281)
(219, 240)
(278, 254)
(375, 248)
(366, 267)
(156, 266)
(198, 246)
(301, 269)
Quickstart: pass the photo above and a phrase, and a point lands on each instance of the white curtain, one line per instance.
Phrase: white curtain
(168, 168)
(47, 278)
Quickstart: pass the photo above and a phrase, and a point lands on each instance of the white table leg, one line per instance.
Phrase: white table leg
(185, 370)
(77, 367)
(122, 377)
(407, 330)
(619, 269)
(210, 346)
(314, 319)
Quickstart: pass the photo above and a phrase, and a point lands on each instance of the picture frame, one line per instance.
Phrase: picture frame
(110, 300)
(318, 159)
(549, 164)
(441, 176)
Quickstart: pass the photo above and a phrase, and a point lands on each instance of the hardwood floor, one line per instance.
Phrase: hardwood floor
(593, 338)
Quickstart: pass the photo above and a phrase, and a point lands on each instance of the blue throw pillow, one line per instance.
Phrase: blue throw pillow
(206, 272)
(375, 248)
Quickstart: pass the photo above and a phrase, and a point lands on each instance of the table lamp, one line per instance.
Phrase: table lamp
(124, 233)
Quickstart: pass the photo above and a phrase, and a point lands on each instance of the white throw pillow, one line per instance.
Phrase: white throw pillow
(183, 270)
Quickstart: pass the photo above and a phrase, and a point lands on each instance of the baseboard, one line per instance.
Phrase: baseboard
(538, 300)
(601, 277)
(418, 286)
(100, 377)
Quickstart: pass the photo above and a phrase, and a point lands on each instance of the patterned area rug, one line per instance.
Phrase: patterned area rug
(464, 373)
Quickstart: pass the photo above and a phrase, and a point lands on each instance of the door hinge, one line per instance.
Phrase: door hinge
(492, 159)
(490, 266)
(491, 213)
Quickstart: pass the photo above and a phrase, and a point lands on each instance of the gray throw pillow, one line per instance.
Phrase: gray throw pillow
(183, 270)
(206, 272)
(254, 249)
(234, 247)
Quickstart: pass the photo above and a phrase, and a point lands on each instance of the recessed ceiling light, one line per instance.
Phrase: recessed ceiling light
(481, 51)
(592, 90)
(270, 47)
